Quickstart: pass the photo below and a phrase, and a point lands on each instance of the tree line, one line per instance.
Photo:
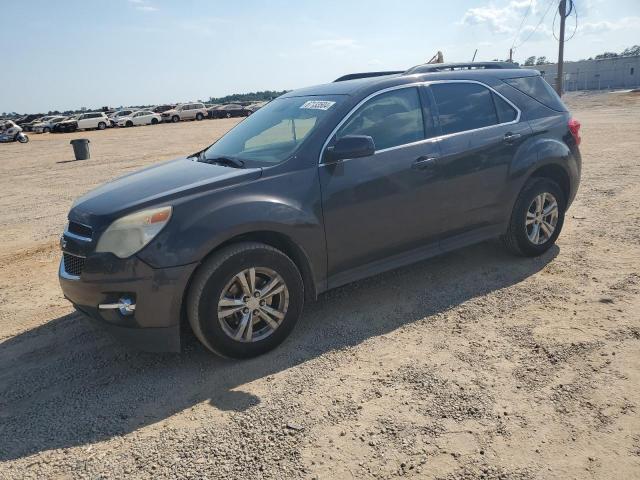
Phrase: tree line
(627, 52)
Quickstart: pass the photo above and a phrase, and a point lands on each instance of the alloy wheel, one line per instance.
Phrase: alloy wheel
(542, 218)
(253, 304)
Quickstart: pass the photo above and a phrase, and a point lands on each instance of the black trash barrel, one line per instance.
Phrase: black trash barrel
(81, 148)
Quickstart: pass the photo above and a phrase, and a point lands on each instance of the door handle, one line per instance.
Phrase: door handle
(510, 137)
(424, 163)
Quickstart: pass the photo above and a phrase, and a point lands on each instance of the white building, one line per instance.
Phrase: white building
(603, 74)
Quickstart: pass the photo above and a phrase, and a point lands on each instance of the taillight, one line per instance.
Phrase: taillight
(574, 128)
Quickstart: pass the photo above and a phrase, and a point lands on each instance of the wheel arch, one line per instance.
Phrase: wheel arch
(558, 174)
(276, 240)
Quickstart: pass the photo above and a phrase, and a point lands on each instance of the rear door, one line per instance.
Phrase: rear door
(381, 205)
(481, 133)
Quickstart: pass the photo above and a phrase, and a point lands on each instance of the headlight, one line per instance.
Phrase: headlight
(131, 233)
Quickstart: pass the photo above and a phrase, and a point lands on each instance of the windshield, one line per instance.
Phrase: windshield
(272, 134)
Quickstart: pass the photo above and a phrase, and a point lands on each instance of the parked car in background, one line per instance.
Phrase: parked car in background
(115, 116)
(29, 127)
(28, 120)
(92, 120)
(163, 108)
(185, 111)
(47, 124)
(142, 117)
(69, 124)
(211, 109)
(230, 110)
(321, 187)
(254, 107)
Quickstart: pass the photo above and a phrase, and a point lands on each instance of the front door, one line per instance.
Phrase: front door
(381, 205)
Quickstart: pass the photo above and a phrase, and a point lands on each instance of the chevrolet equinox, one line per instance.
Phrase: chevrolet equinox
(322, 186)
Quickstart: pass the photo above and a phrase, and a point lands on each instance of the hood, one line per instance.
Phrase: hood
(154, 186)
(173, 110)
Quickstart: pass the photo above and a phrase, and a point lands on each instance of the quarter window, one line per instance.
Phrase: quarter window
(464, 106)
(391, 119)
(506, 113)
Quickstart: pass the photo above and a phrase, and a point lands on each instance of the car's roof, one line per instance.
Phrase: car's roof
(362, 85)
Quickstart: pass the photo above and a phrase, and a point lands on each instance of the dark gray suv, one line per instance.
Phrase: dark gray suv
(323, 186)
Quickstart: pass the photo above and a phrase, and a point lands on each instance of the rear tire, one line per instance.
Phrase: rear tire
(217, 281)
(534, 213)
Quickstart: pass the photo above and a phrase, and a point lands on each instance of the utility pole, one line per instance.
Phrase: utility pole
(511, 55)
(562, 10)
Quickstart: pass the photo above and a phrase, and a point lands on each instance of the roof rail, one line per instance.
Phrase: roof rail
(443, 67)
(353, 76)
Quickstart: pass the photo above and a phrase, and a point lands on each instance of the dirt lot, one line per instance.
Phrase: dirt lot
(472, 365)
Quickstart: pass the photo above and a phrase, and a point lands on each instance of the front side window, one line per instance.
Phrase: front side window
(274, 132)
(463, 106)
(392, 119)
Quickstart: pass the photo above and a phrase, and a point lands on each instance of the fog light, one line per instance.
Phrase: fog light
(125, 306)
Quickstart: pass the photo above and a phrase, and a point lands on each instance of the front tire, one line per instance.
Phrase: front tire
(537, 218)
(154, 121)
(46, 130)
(175, 119)
(245, 300)
(102, 126)
(129, 123)
(199, 116)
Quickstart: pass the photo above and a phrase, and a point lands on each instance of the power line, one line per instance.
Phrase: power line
(526, 14)
(538, 25)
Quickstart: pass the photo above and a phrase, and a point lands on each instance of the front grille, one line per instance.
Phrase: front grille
(73, 265)
(79, 229)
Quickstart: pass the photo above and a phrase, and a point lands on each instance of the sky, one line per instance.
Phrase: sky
(60, 55)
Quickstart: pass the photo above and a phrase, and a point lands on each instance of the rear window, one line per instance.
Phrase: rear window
(538, 89)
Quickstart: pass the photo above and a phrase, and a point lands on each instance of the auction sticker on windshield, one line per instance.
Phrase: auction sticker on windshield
(318, 104)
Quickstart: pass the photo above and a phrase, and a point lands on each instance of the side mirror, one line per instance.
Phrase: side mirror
(350, 146)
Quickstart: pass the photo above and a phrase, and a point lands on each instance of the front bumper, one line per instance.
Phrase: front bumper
(155, 324)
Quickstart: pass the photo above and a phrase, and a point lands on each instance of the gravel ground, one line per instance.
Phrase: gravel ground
(472, 365)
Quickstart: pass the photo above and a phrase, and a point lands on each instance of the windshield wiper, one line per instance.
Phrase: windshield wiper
(222, 160)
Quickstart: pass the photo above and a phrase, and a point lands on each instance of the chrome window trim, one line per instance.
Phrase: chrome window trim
(426, 140)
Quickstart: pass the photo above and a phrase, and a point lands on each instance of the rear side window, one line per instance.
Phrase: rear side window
(537, 88)
(391, 119)
(506, 113)
(463, 106)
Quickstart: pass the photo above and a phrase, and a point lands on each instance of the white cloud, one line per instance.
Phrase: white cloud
(532, 34)
(502, 20)
(143, 6)
(337, 44)
(607, 26)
